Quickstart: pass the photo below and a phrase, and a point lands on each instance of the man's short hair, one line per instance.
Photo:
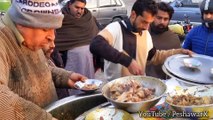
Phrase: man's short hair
(145, 5)
(166, 8)
(72, 1)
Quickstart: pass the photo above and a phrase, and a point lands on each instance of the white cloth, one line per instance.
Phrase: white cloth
(80, 60)
(113, 70)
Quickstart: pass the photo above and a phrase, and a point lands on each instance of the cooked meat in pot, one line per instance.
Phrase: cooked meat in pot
(131, 91)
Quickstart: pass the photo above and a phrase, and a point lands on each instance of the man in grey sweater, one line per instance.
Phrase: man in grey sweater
(27, 84)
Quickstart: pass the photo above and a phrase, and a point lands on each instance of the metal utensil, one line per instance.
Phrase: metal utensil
(148, 82)
(174, 65)
(80, 85)
(198, 91)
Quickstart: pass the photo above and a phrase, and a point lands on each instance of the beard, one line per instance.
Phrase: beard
(208, 23)
(136, 29)
(48, 52)
(158, 29)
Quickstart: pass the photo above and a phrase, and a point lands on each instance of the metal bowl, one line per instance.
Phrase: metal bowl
(70, 108)
(81, 85)
(199, 91)
(148, 82)
(192, 63)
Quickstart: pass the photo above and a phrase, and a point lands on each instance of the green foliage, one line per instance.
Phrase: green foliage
(4, 5)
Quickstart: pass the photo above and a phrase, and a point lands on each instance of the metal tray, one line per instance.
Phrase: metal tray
(78, 107)
(182, 82)
(174, 64)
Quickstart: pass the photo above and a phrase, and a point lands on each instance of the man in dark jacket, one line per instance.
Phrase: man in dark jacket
(73, 38)
(79, 27)
(200, 38)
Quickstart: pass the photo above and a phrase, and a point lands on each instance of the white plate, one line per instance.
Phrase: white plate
(192, 63)
(79, 85)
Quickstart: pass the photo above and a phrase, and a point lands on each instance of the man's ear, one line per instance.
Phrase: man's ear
(69, 4)
(133, 15)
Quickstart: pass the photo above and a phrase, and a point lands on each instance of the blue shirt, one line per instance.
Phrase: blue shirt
(200, 40)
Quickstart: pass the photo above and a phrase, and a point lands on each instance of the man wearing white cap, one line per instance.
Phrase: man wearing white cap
(26, 82)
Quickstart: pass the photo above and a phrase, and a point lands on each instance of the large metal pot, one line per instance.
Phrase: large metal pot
(71, 107)
(148, 82)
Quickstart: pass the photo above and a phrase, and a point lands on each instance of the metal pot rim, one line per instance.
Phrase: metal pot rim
(146, 77)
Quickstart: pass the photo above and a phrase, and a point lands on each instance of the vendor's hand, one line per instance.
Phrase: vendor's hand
(74, 77)
(187, 52)
(54, 118)
(135, 69)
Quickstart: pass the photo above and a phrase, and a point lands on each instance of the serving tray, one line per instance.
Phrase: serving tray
(174, 64)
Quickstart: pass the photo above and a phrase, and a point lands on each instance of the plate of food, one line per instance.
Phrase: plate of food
(197, 99)
(192, 63)
(89, 85)
(134, 93)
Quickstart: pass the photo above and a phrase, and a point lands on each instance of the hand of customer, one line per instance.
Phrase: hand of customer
(187, 52)
(135, 69)
(74, 77)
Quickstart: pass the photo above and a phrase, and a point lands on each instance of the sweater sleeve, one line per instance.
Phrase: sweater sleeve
(60, 77)
(100, 47)
(161, 55)
(13, 106)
